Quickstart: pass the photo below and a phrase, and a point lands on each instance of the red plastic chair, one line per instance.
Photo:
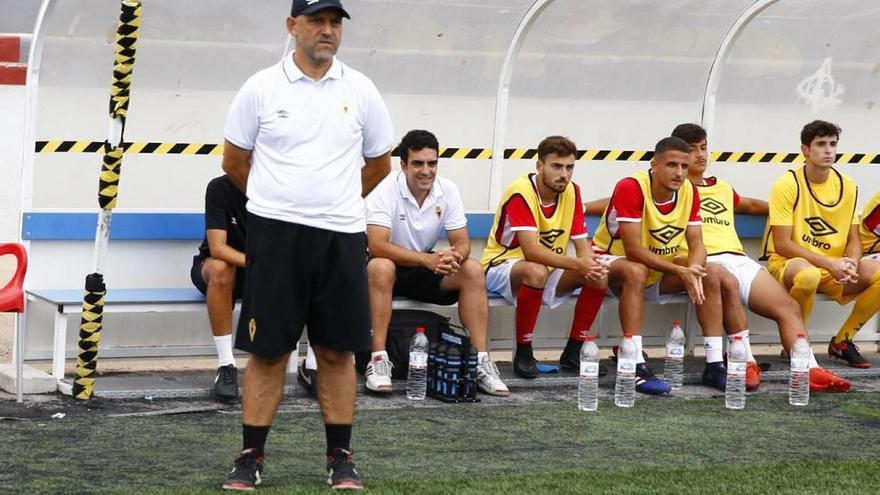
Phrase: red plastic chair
(12, 301)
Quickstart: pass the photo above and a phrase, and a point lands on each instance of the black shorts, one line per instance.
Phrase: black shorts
(299, 275)
(420, 284)
(195, 274)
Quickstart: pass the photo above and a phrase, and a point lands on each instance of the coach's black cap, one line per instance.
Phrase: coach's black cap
(300, 7)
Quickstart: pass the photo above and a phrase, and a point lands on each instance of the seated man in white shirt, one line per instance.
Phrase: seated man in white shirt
(406, 214)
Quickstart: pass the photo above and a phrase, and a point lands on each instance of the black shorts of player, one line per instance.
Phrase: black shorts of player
(303, 276)
(195, 274)
(420, 284)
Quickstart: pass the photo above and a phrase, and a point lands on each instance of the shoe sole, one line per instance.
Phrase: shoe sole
(834, 387)
(380, 390)
(523, 375)
(496, 393)
(853, 365)
(238, 487)
(343, 486)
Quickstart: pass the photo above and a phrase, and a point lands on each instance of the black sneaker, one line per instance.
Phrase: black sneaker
(570, 360)
(849, 352)
(308, 378)
(226, 383)
(341, 474)
(715, 376)
(246, 472)
(525, 365)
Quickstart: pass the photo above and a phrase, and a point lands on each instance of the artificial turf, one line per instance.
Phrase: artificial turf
(660, 446)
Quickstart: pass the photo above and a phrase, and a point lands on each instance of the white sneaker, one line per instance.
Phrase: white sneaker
(489, 379)
(378, 374)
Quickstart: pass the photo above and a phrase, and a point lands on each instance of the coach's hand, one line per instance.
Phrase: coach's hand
(692, 276)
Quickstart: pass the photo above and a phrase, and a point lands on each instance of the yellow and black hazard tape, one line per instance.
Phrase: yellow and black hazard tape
(143, 147)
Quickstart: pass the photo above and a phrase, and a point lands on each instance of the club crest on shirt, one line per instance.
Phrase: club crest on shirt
(252, 328)
(282, 114)
(345, 106)
(438, 211)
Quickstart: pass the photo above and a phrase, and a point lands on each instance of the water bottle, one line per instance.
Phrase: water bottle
(625, 385)
(588, 382)
(799, 381)
(417, 376)
(735, 393)
(673, 368)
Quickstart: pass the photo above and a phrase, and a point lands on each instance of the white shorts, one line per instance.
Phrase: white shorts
(875, 257)
(743, 268)
(652, 292)
(498, 281)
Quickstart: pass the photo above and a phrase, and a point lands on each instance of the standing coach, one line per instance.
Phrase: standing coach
(306, 139)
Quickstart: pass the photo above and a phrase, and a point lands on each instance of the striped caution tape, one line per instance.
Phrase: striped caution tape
(156, 148)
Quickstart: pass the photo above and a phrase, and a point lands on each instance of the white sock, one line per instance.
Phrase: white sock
(384, 355)
(714, 347)
(311, 362)
(224, 350)
(745, 338)
(637, 340)
(482, 356)
(813, 363)
(293, 363)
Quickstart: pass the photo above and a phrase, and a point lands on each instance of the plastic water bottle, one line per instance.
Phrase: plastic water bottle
(799, 381)
(673, 368)
(735, 393)
(625, 385)
(417, 376)
(588, 382)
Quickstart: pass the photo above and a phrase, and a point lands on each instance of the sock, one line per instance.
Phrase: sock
(637, 340)
(813, 363)
(482, 356)
(714, 347)
(803, 290)
(338, 437)
(254, 437)
(867, 304)
(745, 338)
(585, 311)
(528, 303)
(374, 355)
(311, 362)
(523, 349)
(224, 350)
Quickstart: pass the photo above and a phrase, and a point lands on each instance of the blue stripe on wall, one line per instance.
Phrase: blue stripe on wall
(144, 226)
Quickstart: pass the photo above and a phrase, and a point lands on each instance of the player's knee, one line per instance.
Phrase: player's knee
(472, 272)
(221, 274)
(635, 273)
(713, 279)
(534, 274)
(381, 271)
(807, 279)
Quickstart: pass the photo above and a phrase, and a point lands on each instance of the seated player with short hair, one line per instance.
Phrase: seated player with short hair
(406, 214)
(813, 239)
(526, 256)
(869, 229)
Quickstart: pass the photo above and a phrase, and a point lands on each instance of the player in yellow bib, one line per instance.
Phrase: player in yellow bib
(869, 229)
(649, 215)
(526, 256)
(754, 287)
(813, 240)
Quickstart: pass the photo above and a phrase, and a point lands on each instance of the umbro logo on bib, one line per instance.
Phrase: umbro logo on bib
(666, 233)
(819, 227)
(712, 206)
(548, 237)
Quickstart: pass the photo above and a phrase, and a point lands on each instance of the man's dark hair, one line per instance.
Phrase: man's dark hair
(690, 133)
(416, 140)
(818, 128)
(560, 145)
(671, 143)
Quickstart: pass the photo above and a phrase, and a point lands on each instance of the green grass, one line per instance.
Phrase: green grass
(660, 446)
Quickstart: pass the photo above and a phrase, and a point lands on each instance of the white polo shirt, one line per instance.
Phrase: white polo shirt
(309, 140)
(392, 205)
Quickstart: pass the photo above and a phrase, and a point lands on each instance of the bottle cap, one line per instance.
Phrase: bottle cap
(590, 338)
(628, 335)
(676, 323)
(802, 334)
(420, 330)
(738, 337)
